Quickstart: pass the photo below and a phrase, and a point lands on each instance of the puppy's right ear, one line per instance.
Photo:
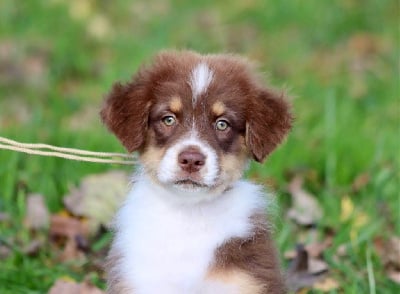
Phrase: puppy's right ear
(125, 112)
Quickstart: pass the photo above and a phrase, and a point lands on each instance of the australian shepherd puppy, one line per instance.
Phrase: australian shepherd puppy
(190, 224)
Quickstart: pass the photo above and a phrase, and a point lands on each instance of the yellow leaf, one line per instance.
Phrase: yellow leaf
(326, 285)
(80, 10)
(347, 208)
(359, 221)
(99, 26)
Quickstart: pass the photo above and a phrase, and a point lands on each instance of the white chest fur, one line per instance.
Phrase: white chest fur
(168, 247)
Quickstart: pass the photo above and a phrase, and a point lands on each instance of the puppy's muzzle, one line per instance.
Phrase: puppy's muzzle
(191, 160)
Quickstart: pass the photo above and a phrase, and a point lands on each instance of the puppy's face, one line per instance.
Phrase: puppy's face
(196, 120)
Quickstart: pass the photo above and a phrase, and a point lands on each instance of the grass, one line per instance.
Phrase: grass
(337, 59)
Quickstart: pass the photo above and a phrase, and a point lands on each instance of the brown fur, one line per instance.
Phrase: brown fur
(255, 256)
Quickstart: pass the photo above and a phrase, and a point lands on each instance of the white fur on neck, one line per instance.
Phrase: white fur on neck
(200, 79)
(168, 246)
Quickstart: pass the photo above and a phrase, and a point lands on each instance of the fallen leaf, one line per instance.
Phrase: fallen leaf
(290, 254)
(305, 271)
(363, 44)
(347, 208)
(361, 181)
(4, 216)
(21, 64)
(341, 250)
(316, 249)
(71, 229)
(80, 10)
(326, 285)
(393, 251)
(37, 214)
(67, 226)
(63, 286)
(356, 216)
(317, 266)
(5, 251)
(394, 275)
(360, 220)
(389, 252)
(99, 27)
(98, 198)
(305, 209)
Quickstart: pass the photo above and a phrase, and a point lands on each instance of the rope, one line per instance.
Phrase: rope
(67, 153)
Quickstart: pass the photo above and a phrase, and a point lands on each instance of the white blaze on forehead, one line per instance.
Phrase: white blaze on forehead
(200, 79)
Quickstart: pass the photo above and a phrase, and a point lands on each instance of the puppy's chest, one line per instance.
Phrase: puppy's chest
(174, 252)
(172, 249)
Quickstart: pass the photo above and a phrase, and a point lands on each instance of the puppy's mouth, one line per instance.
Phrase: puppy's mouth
(189, 183)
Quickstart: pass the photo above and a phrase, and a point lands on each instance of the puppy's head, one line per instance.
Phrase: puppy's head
(196, 120)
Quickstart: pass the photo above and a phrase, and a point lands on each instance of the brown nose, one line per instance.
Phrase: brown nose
(191, 160)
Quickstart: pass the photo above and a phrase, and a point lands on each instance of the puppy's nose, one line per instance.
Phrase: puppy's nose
(191, 160)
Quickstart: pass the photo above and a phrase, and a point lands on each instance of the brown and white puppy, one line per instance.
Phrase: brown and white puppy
(189, 224)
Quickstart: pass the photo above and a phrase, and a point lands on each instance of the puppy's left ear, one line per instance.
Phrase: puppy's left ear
(125, 113)
(268, 121)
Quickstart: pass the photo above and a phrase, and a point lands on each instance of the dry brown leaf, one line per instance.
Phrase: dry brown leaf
(394, 275)
(305, 209)
(290, 254)
(67, 226)
(98, 198)
(62, 286)
(316, 249)
(72, 230)
(361, 181)
(37, 214)
(364, 44)
(341, 250)
(389, 252)
(317, 266)
(21, 64)
(4, 216)
(305, 271)
(5, 251)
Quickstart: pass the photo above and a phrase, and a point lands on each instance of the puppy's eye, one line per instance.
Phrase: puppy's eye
(221, 125)
(169, 120)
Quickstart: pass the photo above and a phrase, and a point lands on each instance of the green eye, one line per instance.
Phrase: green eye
(169, 120)
(221, 125)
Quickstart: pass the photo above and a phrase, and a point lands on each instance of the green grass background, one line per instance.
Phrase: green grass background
(338, 60)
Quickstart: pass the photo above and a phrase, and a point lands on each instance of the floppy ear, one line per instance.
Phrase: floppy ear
(125, 112)
(268, 122)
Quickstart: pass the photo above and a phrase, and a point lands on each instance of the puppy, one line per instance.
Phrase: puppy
(190, 224)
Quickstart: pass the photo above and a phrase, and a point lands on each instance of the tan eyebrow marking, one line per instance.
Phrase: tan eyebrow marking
(175, 104)
(218, 108)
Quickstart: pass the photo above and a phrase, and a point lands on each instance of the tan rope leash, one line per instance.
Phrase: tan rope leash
(67, 153)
